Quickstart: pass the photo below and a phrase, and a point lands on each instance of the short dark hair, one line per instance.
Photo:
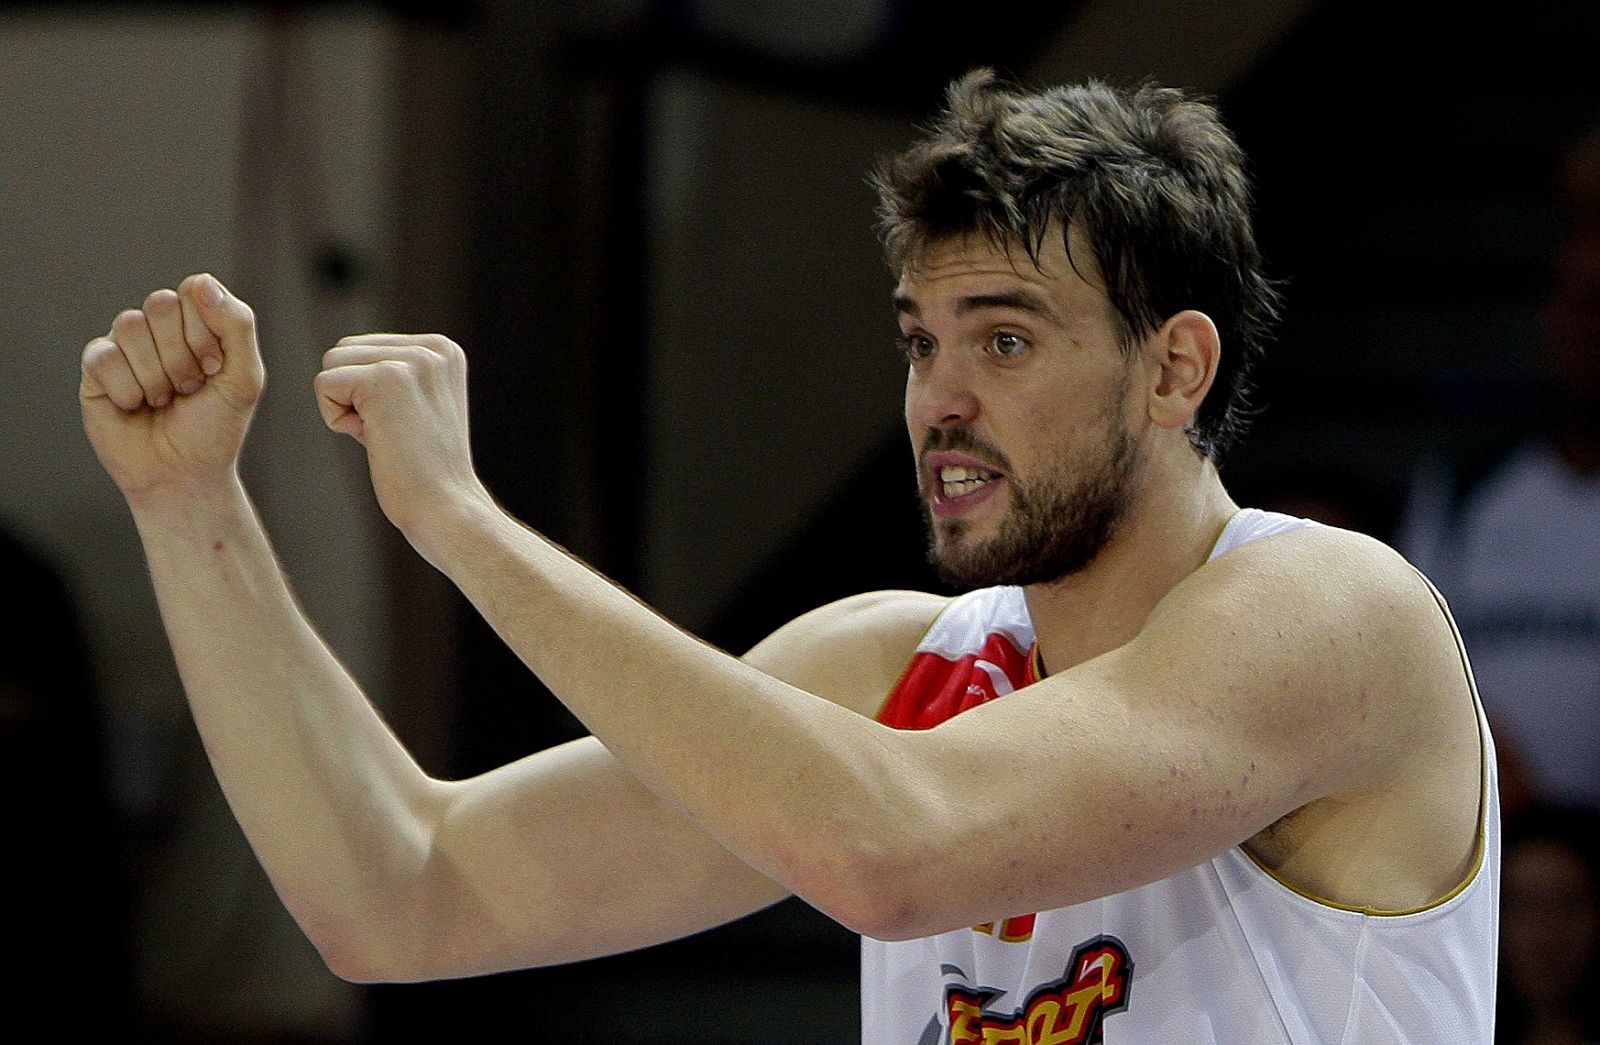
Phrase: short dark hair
(1154, 181)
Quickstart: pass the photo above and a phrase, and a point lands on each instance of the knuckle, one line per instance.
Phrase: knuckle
(184, 372)
(199, 340)
(163, 300)
(340, 355)
(99, 353)
(128, 321)
(126, 397)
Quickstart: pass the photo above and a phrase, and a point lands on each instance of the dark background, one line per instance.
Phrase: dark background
(1404, 168)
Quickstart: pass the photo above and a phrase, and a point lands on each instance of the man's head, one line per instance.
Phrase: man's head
(1024, 410)
(1077, 273)
(1149, 177)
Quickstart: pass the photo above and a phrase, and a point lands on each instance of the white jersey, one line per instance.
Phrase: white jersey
(1221, 954)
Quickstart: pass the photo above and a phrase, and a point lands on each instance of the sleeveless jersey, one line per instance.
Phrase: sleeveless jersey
(1221, 954)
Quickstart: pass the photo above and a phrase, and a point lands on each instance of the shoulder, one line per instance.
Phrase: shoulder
(891, 621)
(1349, 655)
(851, 651)
(1329, 626)
(1323, 568)
(1316, 583)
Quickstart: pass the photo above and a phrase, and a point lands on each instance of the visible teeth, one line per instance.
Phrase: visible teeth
(958, 480)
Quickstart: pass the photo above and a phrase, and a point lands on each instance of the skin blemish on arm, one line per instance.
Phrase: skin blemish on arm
(216, 545)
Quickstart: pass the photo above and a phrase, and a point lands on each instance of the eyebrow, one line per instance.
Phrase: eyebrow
(1021, 300)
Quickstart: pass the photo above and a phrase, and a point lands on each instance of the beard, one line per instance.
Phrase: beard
(1055, 526)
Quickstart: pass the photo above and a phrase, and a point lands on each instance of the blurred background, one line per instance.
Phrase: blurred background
(649, 224)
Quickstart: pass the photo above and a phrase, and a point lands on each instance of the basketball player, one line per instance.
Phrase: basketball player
(1173, 772)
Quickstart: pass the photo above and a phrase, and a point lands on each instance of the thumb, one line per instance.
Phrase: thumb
(230, 320)
(337, 390)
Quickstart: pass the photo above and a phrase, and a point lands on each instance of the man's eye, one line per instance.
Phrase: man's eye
(915, 346)
(1006, 344)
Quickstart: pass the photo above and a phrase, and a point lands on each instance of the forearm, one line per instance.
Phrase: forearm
(334, 807)
(807, 792)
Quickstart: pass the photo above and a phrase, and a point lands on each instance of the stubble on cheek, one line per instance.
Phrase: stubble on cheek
(1046, 531)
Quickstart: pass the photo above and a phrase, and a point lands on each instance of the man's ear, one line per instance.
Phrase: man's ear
(1183, 354)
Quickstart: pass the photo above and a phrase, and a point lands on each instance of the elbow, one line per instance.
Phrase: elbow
(348, 956)
(878, 904)
(873, 890)
(352, 952)
(885, 872)
(352, 967)
(354, 964)
(887, 914)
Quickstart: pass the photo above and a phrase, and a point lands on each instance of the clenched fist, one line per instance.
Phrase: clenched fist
(404, 397)
(168, 394)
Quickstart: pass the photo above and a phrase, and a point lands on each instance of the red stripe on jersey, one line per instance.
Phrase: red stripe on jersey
(935, 687)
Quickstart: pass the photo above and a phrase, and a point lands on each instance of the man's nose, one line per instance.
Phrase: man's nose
(940, 394)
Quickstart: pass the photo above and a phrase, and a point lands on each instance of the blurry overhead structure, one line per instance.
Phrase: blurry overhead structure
(902, 52)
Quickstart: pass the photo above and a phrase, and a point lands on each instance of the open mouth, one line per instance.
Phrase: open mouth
(958, 483)
(962, 480)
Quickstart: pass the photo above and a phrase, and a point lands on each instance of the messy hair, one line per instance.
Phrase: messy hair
(1149, 175)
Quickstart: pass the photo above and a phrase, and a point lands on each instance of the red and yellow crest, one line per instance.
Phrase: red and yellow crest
(1068, 1011)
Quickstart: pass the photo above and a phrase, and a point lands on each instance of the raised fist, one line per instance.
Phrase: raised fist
(404, 397)
(168, 394)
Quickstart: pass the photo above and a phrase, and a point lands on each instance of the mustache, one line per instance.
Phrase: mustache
(964, 441)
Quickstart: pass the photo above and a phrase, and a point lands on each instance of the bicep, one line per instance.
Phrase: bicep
(1097, 789)
(564, 855)
(1250, 692)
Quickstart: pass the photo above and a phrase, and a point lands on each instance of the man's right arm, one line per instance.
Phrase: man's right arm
(395, 875)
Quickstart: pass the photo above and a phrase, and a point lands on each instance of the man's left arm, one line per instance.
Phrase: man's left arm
(1266, 680)
(1285, 671)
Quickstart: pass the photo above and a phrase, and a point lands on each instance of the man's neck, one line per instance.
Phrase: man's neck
(1167, 534)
